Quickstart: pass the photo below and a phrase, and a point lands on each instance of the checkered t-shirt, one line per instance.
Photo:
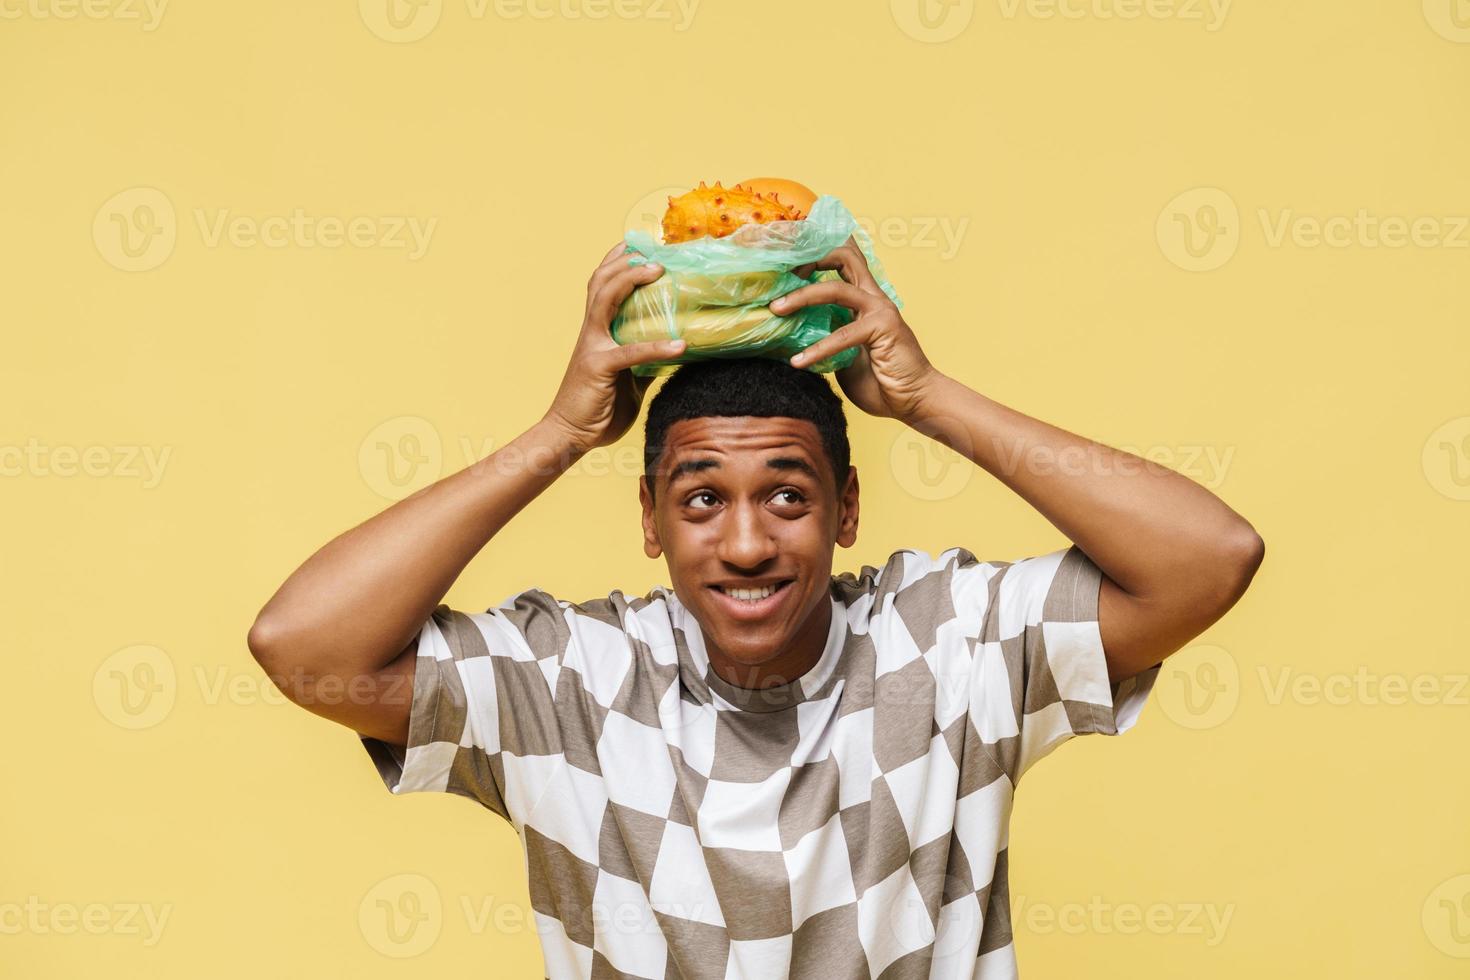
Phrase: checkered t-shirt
(851, 823)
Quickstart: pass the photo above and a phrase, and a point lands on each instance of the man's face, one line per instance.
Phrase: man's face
(750, 507)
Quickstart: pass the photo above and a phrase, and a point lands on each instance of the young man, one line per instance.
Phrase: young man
(766, 770)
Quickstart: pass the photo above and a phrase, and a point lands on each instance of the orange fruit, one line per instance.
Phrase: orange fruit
(788, 192)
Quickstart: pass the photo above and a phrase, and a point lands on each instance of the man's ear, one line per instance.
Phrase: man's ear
(847, 500)
(651, 546)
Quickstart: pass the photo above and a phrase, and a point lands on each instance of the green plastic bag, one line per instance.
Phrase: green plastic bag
(714, 291)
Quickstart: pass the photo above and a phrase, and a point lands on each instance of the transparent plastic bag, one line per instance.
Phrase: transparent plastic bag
(714, 291)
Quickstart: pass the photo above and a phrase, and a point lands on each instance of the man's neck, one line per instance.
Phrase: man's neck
(800, 656)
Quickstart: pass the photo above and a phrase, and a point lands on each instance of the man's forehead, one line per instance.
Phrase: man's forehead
(744, 434)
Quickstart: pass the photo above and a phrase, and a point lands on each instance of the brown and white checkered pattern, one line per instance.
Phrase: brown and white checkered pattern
(852, 823)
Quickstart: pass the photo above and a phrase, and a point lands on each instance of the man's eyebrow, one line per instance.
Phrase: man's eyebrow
(692, 466)
(792, 463)
(775, 463)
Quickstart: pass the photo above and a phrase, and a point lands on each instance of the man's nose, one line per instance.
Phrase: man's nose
(747, 543)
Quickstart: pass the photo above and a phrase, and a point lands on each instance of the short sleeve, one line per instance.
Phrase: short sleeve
(482, 686)
(1040, 673)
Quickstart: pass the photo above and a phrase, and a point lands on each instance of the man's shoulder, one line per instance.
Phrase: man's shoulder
(535, 610)
(906, 570)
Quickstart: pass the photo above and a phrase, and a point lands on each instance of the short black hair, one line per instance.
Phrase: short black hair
(761, 387)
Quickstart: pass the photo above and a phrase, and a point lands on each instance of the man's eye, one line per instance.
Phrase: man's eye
(702, 500)
(791, 496)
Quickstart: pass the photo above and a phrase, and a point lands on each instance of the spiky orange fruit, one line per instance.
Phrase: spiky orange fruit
(791, 193)
(718, 211)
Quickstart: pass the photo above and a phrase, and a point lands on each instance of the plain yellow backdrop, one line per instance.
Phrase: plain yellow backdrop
(268, 266)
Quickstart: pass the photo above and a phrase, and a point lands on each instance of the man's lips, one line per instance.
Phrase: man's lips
(751, 609)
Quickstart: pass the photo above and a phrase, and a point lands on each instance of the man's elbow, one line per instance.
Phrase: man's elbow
(264, 641)
(270, 645)
(1240, 558)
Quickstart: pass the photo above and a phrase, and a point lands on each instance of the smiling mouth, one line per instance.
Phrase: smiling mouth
(752, 594)
(752, 599)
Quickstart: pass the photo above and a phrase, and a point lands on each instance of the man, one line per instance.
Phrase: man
(766, 770)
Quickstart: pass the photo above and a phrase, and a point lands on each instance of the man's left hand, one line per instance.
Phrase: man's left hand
(891, 375)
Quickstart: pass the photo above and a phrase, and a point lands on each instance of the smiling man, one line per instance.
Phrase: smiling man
(766, 770)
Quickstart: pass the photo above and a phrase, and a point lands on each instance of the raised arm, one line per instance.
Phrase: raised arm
(1174, 556)
(336, 637)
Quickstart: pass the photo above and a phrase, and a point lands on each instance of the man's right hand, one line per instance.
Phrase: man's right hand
(599, 397)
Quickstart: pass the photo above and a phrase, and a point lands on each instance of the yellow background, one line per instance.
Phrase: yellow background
(1328, 382)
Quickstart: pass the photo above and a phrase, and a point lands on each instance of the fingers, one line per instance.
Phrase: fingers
(611, 362)
(833, 291)
(855, 333)
(850, 263)
(608, 293)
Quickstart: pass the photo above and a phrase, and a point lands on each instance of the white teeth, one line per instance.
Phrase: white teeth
(749, 595)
